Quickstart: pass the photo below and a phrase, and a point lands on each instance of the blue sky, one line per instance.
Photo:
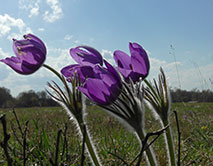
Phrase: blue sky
(110, 25)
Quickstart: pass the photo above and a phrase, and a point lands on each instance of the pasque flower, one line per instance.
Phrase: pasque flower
(134, 67)
(100, 84)
(30, 55)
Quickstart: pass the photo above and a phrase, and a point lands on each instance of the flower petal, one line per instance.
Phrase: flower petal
(16, 64)
(139, 59)
(97, 90)
(122, 59)
(114, 73)
(82, 71)
(68, 71)
(85, 55)
(32, 37)
(125, 72)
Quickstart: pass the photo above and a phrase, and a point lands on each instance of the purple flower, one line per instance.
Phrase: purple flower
(85, 55)
(134, 67)
(101, 85)
(30, 55)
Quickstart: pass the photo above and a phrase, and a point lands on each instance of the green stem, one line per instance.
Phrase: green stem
(89, 145)
(87, 139)
(170, 144)
(54, 71)
(151, 157)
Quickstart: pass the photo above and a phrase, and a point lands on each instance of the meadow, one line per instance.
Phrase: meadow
(46, 136)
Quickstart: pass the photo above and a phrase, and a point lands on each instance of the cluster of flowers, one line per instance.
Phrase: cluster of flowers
(118, 89)
(101, 84)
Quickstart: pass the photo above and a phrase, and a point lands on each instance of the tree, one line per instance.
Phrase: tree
(27, 99)
(6, 99)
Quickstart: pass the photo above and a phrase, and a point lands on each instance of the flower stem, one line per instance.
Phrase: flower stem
(170, 144)
(53, 71)
(150, 155)
(89, 145)
(79, 119)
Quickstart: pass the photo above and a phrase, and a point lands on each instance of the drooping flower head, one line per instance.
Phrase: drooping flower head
(30, 55)
(100, 84)
(134, 67)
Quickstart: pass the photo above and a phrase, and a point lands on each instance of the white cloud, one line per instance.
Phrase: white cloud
(60, 59)
(41, 29)
(13, 81)
(68, 37)
(57, 58)
(77, 41)
(20, 34)
(184, 77)
(32, 6)
(56, 12)
(169, 68)
(3, 68)
(108, 55)
(8, 24)
(34, 11)
(155, 64)
(197, 77)
(3, 54)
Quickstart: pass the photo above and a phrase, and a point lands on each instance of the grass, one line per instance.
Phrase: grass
(110, 137)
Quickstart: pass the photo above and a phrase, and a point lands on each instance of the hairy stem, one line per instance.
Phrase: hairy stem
(66, 101)
(89, 145)
(170, 144)
(150, 155)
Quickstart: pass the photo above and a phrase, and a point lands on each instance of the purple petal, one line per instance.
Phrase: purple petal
(87, 72)
(113, 72)
(122, 59)
(139, 59)
(125, 72)
(68, 71)
(98, 56)
(81, 71)
(139, 67)
(105, 75)
(17, 65)
(30, 55)
(85, 55)
(97, 91)
(37, 40)
(102, 85)
(134, 77)
(85, 91)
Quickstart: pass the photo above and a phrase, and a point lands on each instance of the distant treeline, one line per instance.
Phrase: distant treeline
(35, 99)
(195, 95)
(25, 99)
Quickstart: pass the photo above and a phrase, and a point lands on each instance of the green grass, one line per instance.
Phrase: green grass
(196, 124)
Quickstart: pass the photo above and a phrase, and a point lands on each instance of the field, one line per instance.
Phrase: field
(39, 128)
